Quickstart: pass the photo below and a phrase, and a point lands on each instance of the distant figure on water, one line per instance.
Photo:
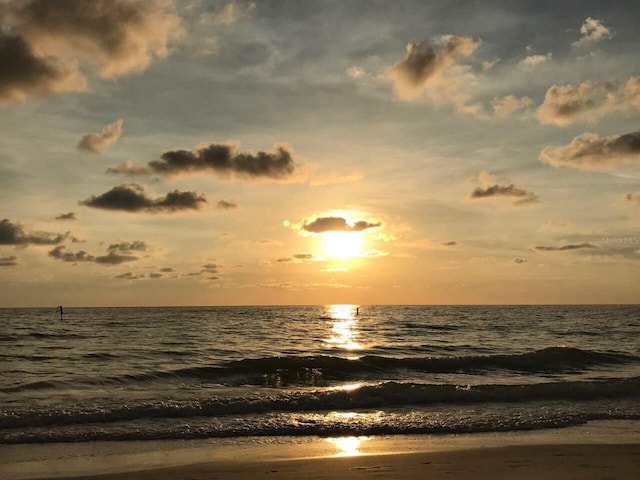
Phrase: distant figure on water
(59, 309)
(357, 311)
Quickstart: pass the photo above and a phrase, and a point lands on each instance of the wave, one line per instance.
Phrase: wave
(323, 370)
(388, 394)
(317, 370)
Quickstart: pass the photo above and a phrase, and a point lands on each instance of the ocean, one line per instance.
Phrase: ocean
(119, 374)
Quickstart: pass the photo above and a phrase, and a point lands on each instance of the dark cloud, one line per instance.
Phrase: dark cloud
(117, 36)
(209, 268)
(224, 205)
(132, 197)
(590, 152)
(80, 256)
(111, 258)
(298, 256)
(520, 195)
(155, 275)
(226, 161)
(519, 260)
(126, 247)
(11, 261)
(99, 142)
(337, 224)
(633, 197)
(450, 244)
(15, 234)
(167, 270)
(426, 64)
(23, 73)
(66, 216)
(44, 43)
(130, 276)
(570, 246)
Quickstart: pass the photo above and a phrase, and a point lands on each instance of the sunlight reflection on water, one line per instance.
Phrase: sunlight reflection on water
(344, 328)
(347, 446)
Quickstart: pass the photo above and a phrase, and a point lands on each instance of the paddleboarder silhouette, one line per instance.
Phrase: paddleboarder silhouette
(59, 309)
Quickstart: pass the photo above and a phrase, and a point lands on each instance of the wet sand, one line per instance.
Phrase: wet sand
(610, 450)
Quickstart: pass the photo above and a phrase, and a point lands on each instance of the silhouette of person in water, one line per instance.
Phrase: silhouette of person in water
(59, 309)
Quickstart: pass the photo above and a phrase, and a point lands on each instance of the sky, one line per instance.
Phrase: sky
(315, 152)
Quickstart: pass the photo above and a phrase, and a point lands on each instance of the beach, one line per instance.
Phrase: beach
(603, 450)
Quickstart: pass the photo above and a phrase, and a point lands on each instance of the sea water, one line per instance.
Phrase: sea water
(213, 372)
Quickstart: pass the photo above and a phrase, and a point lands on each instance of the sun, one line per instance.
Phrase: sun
(342, 245)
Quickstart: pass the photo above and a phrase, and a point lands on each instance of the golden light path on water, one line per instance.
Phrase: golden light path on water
(344, 328)
(344, 336)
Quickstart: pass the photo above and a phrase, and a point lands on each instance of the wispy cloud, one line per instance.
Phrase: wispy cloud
(66, 216)
(505, 107)
(11, 261)
(99, 142)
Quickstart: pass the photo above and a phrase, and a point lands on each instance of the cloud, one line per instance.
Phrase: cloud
(23, 73)
(130, 276)
(593, 30)
(298, 257)
(128, 168)
(99, 142)
(15, 234)
(505, 107)
(589, 151)
(225, 205)
(336, 224)
(131, 197)
(66, 216)
(114, 256)
(44, 43)
(561, 248)
(222, 160)
(354, 176)
(127, 247)
(589, 102)
(434, 69)
(519, 260)
(232, 13)
(488, 65)
(356, 71)
(449, 244)
(633, 197)
(11, 261)
(116, 36)
(533, 60)
(520, 195)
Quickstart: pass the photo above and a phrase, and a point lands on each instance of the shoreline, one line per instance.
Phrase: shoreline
(611, 447)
